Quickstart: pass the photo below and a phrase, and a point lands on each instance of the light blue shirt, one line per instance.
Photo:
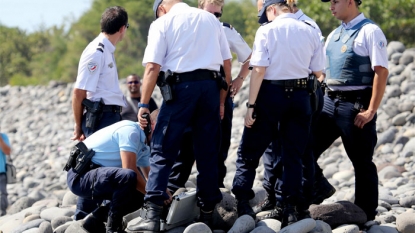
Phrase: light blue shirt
(2, 155)
(121, 136)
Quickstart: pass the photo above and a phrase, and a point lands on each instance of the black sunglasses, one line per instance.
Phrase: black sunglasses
(135, 82)
(127, 25)
(217, 14)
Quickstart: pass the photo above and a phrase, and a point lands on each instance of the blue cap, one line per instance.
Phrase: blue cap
(262, 14)
(155, 6)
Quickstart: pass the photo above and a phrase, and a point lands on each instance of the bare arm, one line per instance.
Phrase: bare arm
(4, 147)
(128, 160)
(379, 85)
(255, 83)
(151, 74)
(243, 73)
(77, 108)
(145, 171)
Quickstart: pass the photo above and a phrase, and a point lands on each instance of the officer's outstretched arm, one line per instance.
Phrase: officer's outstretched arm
(128, 160)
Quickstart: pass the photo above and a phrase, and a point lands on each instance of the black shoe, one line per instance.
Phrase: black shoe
(150, 219)
(92, 224)
(206, 217)
(303, 214)
(115, 224)
(264, 206)
(322, 190)
(289, 215)
(243, 208)
(275, 213)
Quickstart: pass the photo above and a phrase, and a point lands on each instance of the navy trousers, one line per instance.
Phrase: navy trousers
(196, 104)
(184, 162)
(337, 120)
(273, 168)
(108, 183)
(86, 206)
(292, 112)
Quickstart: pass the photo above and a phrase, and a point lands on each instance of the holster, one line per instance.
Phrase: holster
(163, 82)
(93, 112)
(221, 80)
(79, 159)
(312, 83)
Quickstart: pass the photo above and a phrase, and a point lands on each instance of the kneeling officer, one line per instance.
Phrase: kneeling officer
(115, 153)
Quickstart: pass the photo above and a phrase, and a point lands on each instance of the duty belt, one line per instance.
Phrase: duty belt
(111, 108)
(350, 96)
(196, 75)
(291, 83)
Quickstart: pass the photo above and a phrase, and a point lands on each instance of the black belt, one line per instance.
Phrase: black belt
(291, 83)
(196, 75)
(351, 96)
(111, 108)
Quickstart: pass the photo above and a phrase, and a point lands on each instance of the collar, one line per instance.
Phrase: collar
(354, 21)
(285, 16)
(178, 7)
(107, 43)
(299, 14)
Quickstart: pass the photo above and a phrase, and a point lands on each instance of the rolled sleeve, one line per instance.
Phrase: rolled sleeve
(156, 45)
(260, 54)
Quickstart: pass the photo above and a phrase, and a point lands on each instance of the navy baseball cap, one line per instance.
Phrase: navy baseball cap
(262, 14)
(155, 6)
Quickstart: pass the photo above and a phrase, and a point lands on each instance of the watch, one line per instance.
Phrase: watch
(250, 105)
(141, 105)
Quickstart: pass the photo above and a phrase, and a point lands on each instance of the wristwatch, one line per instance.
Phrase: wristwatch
(141, 105)
(250, 105)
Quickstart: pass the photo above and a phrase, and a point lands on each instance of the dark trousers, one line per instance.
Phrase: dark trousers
(184, 162)
(108, 183)
(83, 206)
(337, 120)
(292, 112)
(196, 104)
(273, 168)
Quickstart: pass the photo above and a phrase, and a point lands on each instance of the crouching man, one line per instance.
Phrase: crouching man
(112, 174)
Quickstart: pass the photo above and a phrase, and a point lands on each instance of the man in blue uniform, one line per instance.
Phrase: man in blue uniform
(120, 149)
(356, 74)
(174, 45)
(282, 61)
(184, 162)
(98, 81)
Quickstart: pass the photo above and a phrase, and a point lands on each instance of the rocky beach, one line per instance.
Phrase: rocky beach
(39, 123)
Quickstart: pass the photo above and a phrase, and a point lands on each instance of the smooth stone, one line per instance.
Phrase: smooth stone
(197, 228)
(21, 204)
(407, 201)
(405, 223)
(346, 229)
(31, 217)
(177, 230)
(260, 195)
(321, 227)
(31, 230)
(387, 218)
(243, 224)
(338, 213)
(59, 221)
(54, 212)
(388, 198)
(63, 228)
(343, 175)
(26, 226)
(262, 229)
(225, 214)
(69, 199)
(45, 227)
(382, 229)
(302, 226)
(74, 227)
(273, 224)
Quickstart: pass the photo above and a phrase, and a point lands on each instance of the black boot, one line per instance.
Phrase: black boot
(289, 215)
(150, 220)
(243, 208)
(275, 213)
(268, 204)
(92, 224)
(322, 190)
(206, 217)
(114, 224)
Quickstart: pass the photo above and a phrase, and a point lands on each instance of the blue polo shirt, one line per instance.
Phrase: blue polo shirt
(121, 136)
(2, 155)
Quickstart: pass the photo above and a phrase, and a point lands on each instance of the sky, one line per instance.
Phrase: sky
(31, 15)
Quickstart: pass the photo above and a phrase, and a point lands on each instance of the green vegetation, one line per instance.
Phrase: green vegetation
(53, 53)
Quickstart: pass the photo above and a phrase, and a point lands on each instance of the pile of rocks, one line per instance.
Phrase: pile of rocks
(38, 121)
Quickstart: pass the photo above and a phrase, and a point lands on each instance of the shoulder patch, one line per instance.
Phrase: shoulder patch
(381, 44)
(227, 25)
(92, 66)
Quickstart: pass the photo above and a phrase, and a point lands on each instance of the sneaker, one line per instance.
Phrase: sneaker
(243, 208)
(264, 206)
(289, 215)
(322, 190)
(275, 213)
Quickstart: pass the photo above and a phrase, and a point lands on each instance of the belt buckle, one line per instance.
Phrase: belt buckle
(289, 85)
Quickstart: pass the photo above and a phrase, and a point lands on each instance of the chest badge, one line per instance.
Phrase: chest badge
(111, 65)
(344, 48)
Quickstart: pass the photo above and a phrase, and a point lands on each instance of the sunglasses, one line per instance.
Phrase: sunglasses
(217, 14)
(133, 82)
(127, 25)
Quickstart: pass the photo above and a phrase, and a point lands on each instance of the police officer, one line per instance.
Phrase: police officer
(191, 44)
(133, 85)
(113, 175)
(98, 79)
(356, 74)
(286, 51)
(182, 167)
(272, 182)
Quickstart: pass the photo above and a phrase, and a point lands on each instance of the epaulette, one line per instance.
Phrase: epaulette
(100, 47)
(227, 25)
(309, 24)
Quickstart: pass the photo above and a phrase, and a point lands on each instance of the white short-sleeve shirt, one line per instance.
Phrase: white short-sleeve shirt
(186, 39)
(237, 44)
(97, 73)
(288, 48)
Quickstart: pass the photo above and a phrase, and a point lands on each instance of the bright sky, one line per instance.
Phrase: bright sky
(30, 15)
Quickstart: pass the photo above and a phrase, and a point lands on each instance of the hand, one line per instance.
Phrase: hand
(236, 86)
(78, 134)
(363, 117)
(168, 201)
(142, 121)
(249, 121)
(222, 111)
